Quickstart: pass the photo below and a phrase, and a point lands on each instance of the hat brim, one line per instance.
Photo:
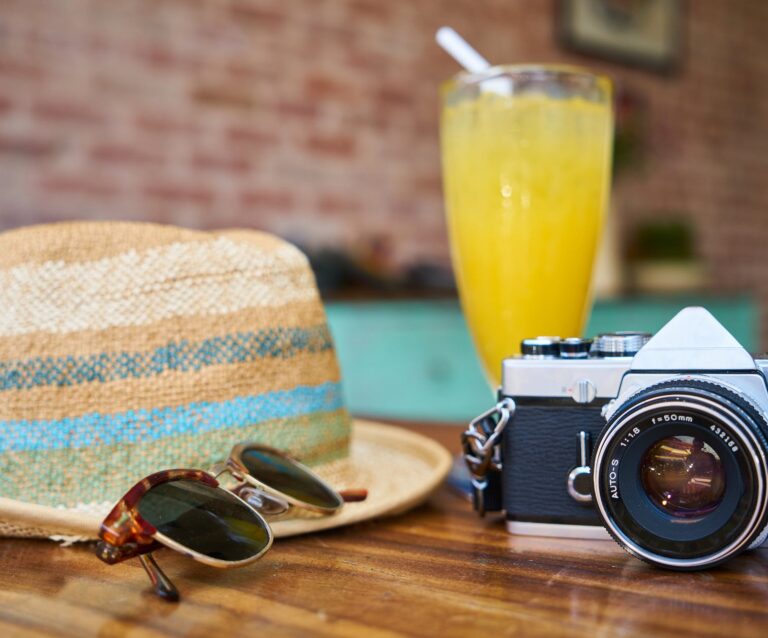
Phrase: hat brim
(398, 468)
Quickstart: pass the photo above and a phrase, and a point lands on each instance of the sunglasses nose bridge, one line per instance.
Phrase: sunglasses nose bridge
(232, 467)
(224, 468)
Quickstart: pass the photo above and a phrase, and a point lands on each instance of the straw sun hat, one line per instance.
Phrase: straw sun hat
(131, 348)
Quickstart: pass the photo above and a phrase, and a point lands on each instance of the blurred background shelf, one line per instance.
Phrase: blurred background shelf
(414, 359)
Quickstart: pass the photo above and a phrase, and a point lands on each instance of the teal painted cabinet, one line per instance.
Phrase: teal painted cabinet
(415, 360)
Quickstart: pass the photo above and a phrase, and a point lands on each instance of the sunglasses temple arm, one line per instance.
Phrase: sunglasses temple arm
(354, 495)
(160, 582)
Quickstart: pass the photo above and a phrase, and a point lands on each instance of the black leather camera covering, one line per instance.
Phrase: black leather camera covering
(539, 449)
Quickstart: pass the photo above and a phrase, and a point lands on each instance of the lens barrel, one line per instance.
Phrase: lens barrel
(680, 474)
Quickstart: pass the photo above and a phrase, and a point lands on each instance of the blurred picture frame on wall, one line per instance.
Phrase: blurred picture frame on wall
(641, 33)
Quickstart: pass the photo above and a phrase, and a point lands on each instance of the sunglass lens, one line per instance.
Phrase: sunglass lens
(290, 478)
(207, 520)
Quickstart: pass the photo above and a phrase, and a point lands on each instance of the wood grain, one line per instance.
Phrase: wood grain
(436, 571)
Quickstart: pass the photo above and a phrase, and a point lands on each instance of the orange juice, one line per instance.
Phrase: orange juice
(526, 181)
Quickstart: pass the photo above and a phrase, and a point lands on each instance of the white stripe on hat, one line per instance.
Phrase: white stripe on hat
(138, 288)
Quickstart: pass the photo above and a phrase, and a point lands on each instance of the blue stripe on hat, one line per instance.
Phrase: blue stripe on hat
(179, 356)
(135, 426)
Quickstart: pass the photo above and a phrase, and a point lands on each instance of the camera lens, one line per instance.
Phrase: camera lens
(680, 475)
(683, 476)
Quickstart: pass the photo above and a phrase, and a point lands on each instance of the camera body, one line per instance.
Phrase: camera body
(661, 442)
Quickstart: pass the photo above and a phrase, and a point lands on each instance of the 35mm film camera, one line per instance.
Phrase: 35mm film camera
(660, 441)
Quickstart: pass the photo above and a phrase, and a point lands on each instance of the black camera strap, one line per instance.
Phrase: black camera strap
(482, 453)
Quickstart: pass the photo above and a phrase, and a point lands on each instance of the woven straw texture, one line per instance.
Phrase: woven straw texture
(129, 348)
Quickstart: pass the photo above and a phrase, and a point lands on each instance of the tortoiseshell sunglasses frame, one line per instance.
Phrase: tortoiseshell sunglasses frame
(125, 534)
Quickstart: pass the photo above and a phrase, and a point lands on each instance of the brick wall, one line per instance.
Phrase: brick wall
(318, 118)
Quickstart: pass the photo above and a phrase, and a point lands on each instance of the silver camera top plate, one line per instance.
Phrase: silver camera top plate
(553, 378)
(692, 342)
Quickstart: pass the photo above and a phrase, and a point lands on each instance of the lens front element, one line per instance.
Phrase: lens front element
(680, 473)
(683, 476)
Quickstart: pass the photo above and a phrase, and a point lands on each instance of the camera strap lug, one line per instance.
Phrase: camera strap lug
(482, 454)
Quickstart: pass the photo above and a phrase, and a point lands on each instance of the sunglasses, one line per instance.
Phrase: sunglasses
(190, 512)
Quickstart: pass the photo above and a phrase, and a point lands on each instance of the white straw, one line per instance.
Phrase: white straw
(460, 50)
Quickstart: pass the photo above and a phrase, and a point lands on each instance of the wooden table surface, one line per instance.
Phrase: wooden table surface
(436, 571)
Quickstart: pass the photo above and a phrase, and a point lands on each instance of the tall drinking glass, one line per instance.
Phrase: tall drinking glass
(526, 168)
